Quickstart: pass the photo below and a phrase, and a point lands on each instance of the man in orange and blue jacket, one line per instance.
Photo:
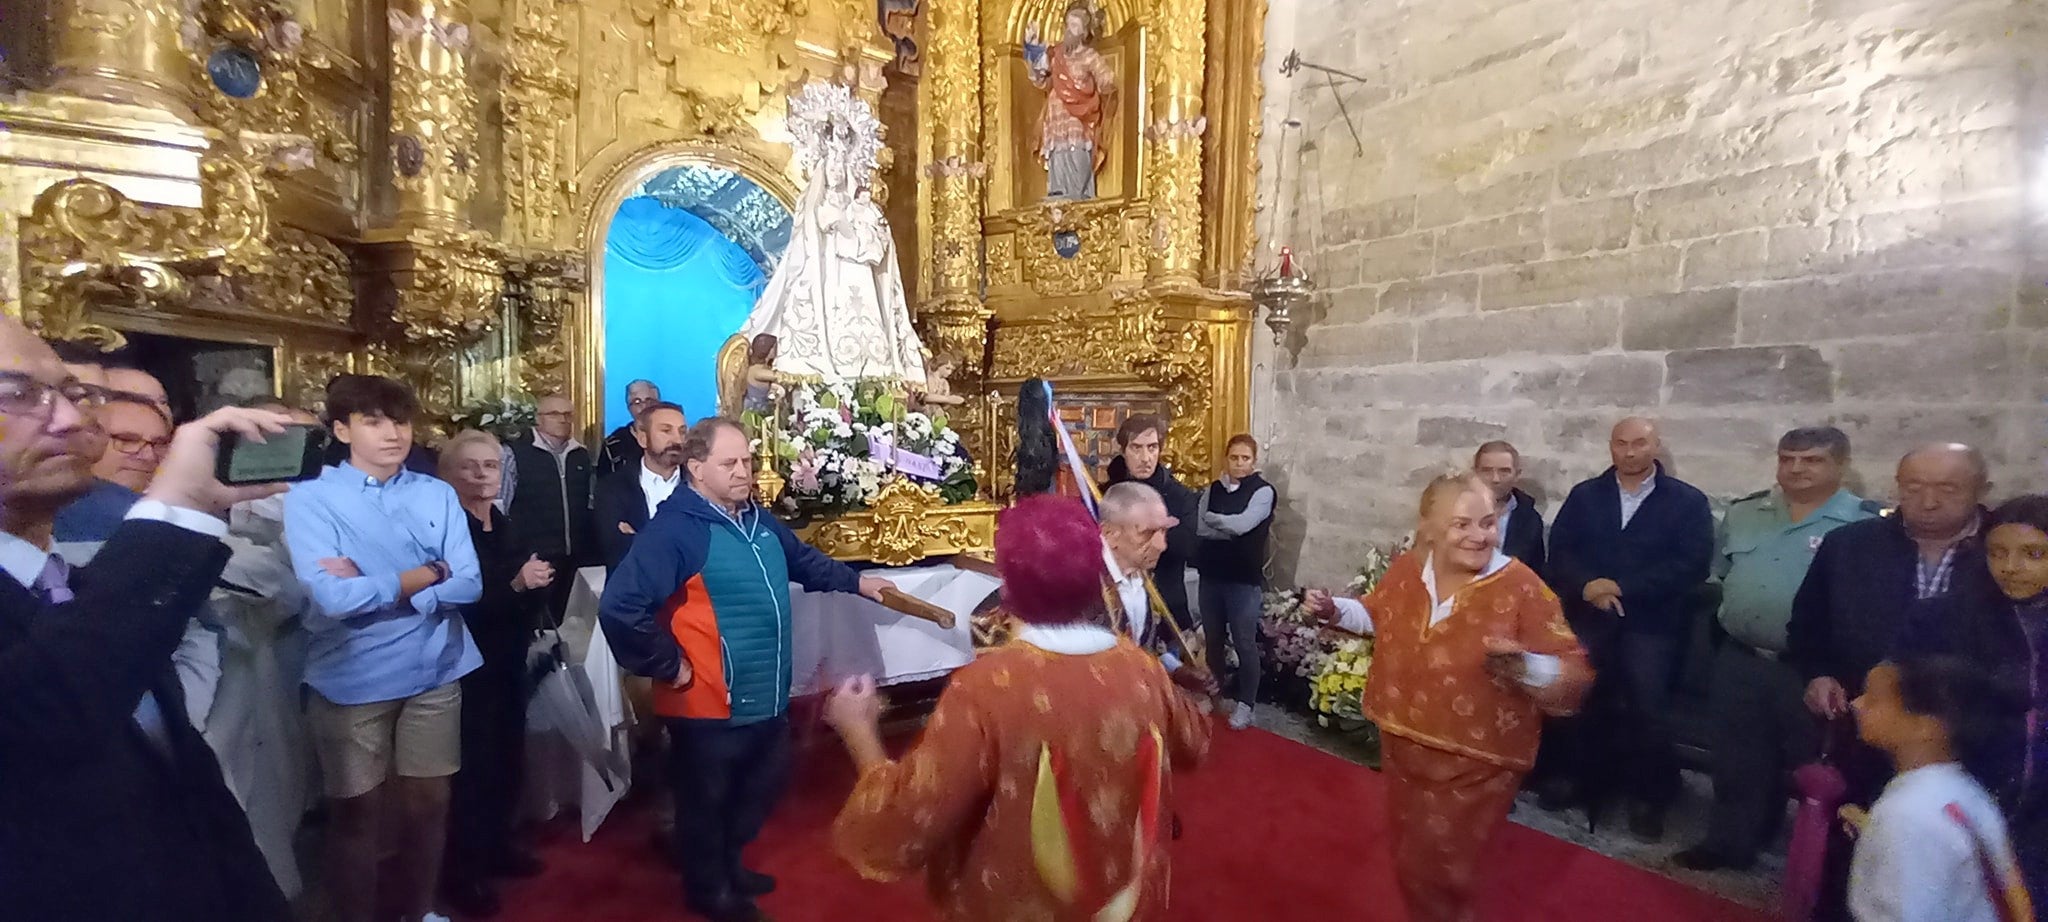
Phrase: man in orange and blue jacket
(700, 604)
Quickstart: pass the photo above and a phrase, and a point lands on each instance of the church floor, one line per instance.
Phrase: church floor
(1274, 831)
(1756, 888)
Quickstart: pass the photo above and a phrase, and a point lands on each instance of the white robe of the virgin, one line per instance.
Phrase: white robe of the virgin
(836, 303)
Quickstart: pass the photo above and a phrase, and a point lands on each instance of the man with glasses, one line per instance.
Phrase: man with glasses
(621, 450)
(113, 810)
(137, 437)
(551, 501)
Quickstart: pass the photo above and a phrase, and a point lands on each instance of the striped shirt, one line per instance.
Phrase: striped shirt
(1931, 579)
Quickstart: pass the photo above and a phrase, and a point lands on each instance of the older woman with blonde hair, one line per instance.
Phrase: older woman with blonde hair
(1471, 650)
(485, 792)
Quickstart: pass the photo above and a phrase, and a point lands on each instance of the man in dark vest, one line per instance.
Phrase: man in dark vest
(551, 502)
(1235, 515)
(1139, 442)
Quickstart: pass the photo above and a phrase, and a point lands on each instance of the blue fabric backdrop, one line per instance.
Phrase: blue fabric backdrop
(675, 289)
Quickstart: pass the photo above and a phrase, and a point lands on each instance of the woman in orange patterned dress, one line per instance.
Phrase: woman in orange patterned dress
(1470, 650)
(1039, 787)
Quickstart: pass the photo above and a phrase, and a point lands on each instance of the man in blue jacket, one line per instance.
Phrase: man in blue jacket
(700, 604)
(1628, 554)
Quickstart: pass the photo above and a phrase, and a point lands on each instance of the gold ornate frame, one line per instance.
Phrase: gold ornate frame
(586, 329)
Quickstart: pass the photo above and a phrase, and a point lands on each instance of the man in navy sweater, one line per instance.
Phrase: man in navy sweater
(1628, 554)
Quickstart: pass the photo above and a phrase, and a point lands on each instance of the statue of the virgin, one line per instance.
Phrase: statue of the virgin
(835, 304)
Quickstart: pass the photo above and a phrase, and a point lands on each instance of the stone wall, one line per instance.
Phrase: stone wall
(1735, 216)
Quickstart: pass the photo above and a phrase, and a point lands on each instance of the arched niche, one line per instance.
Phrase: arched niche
(742, 197)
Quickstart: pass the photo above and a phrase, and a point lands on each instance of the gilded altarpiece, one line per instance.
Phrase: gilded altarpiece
(421, 187)
(1127, 299)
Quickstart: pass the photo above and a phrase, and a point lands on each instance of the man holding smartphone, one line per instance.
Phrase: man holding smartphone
(114, 810)
(385, 555)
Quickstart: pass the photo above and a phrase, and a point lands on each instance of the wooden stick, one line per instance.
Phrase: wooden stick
(899, 601)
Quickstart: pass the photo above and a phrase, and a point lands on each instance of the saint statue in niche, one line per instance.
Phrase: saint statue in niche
(835, 305)
(1080, 88)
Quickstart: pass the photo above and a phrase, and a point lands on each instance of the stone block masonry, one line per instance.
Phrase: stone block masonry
(1735, 216)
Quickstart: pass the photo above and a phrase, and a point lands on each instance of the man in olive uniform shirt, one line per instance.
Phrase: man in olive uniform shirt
(1761, 726)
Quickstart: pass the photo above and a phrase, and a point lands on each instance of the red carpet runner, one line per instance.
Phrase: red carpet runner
(1274, 830)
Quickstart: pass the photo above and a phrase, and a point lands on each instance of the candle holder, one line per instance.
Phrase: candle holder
(1280, 292)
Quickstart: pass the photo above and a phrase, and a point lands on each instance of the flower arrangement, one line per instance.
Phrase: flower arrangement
(507, 417)
(842, 440)
(1338, 692)
(1333, 664)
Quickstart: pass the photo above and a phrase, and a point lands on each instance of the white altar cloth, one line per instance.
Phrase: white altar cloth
(834, 636)
(840, 635)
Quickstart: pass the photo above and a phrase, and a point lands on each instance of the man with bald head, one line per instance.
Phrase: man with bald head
(551, 500)
(1851, 608)
(1628, 554)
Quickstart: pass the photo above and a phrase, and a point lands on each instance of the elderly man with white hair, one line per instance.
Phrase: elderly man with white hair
(1134, 526)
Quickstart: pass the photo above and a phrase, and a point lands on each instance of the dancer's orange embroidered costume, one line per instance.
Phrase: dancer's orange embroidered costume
(1457, 739)
(1037, 789)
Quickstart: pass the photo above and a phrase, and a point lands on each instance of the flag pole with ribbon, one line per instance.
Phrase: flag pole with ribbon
(1091, 496)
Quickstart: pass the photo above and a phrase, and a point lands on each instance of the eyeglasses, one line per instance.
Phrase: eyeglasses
(22, 395)
(133, 445)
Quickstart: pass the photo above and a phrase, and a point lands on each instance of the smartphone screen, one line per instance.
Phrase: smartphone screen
(281, 456)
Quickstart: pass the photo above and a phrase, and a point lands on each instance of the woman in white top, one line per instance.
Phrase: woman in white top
(1934, 848)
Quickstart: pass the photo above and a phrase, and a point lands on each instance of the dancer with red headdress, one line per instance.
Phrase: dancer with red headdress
(1040, 787)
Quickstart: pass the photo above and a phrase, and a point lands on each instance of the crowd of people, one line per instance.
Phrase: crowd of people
(1905, 643)
(185, 661)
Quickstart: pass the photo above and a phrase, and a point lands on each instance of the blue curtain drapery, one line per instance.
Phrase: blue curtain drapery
(675, 289)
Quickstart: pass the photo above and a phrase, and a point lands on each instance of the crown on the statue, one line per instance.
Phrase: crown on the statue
(820, 107)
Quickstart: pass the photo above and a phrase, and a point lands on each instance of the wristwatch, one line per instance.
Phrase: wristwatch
(441, 571)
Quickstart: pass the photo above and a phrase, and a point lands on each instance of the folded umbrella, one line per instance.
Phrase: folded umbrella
(562, 697)
(1821, 790)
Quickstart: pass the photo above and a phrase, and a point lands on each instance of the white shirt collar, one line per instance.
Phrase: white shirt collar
(648, 477)
(1499, 562)
(1067, 639)
(22, 561)
(1649, 483)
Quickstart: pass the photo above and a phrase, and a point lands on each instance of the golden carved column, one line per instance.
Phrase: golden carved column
(433, 111)
(436, 281)
(953, 314)
(1174, 141)
(125, 51)
(539, 111)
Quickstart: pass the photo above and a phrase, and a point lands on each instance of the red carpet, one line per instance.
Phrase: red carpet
(1274, 830)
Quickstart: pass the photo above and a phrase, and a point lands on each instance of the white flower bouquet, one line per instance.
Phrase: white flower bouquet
(841, 441)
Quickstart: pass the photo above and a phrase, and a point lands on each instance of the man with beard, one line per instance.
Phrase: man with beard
(1139, 441)
(115, 810)
(627, 497)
